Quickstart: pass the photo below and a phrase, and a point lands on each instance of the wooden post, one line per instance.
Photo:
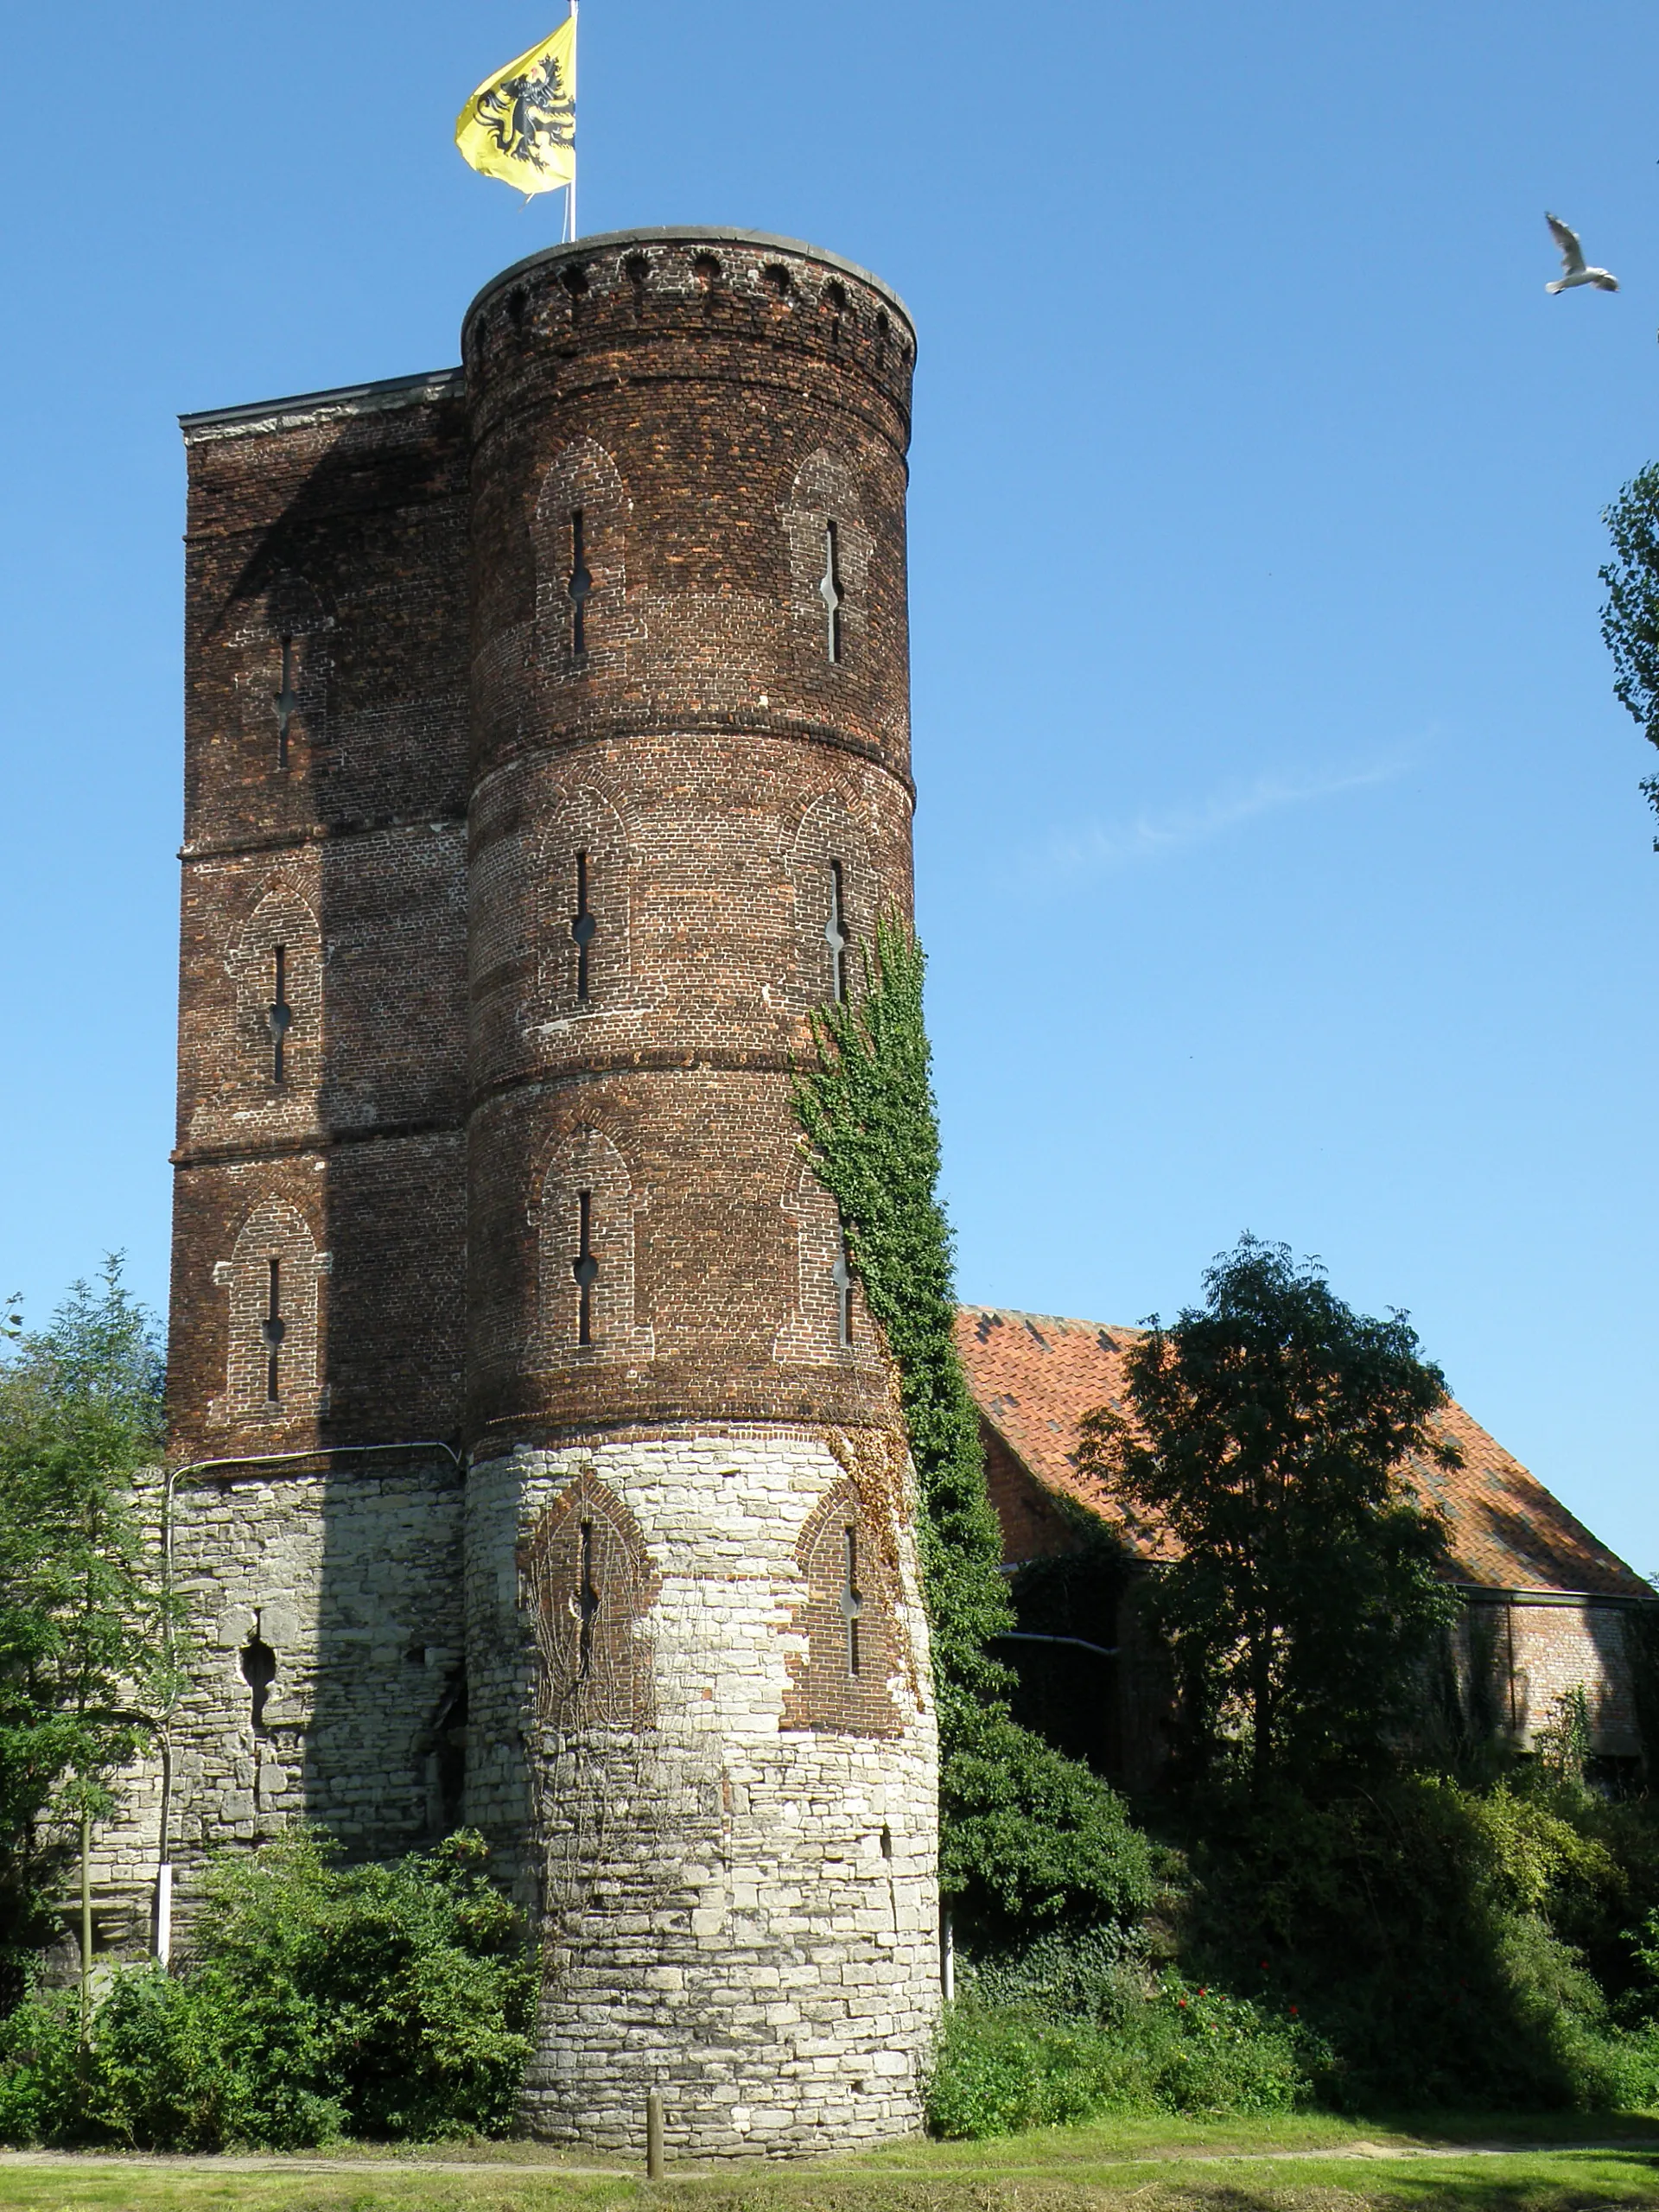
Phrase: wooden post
(653, 2135)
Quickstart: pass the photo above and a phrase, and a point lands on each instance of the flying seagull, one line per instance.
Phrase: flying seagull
(1573, 269)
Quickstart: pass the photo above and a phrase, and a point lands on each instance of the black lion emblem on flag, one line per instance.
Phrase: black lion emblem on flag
(520, 113)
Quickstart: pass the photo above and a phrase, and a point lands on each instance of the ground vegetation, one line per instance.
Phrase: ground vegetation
(1476, 2162)
(319, 2001)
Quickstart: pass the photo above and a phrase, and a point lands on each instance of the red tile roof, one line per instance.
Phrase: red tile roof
(1033, 1378)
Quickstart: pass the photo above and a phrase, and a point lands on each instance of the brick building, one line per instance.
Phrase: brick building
(533, 1462)
(1548, 1608)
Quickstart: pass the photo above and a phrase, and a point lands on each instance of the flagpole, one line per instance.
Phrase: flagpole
(570, 189)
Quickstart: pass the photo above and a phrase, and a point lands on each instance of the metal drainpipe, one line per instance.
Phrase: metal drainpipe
(175, 1476)
(1030, 1635)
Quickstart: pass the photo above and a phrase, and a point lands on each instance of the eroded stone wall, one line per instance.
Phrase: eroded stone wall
(325, 1649)
(738, 1908)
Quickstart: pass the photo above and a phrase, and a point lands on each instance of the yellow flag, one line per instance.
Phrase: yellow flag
(521, 123)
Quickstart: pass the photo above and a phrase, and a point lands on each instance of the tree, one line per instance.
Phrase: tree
(1025, 1833)
(83, 1660)
(1266, 1450)
(1629, 620)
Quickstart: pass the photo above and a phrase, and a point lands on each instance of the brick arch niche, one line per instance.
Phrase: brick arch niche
(581, 574)
(585, 1308)
(583, 932)
(274, 1325)
(828, 1323)
(282, 656)
(589, 1583)
(842, 1683)
(282, 923)
(838, 894)
(830, 547)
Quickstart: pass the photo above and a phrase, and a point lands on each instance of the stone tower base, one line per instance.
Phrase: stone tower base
(709, 1708)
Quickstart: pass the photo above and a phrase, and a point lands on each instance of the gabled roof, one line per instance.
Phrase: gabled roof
(1033, 1377)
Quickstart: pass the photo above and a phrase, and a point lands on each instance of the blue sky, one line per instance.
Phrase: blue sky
(1281, 857)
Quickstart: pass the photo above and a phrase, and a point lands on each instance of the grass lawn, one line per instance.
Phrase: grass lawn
(1308, 2163)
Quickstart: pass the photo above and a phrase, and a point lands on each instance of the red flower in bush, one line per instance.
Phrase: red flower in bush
(1293, 2012)
(1204, 1992)
(1181, 2001)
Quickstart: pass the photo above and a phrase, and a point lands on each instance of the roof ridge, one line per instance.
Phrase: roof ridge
(1057, 1320)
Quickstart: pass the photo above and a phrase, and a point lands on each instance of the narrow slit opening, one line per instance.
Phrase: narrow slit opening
(274, 1331)
(835, 931)
(841, 1275)
(584, 1268)
(287, 702)
(258, 1664)
(278, 1014)
(581, 585)
(583, 929)
(586, 1604)
(852, 1604)
(830, 589)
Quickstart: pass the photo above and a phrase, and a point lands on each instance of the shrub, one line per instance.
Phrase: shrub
(1173, 2048)
(381, 2001)
(1077, 1974)
(1436, 1937)
(1028, 1834)
(40, 2070)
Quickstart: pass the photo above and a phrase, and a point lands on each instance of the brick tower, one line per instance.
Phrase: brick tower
(537, 1463)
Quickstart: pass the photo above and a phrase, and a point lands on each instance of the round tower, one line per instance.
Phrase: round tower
(701, 1713)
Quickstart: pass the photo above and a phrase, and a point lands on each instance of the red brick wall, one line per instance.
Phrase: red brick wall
(729, 418)
(1033, 1525)
(1549, 1649)
(342, 529)
(709, 408)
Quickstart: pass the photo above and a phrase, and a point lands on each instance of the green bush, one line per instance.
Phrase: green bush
(39, 2069)
(1077, 1974)
(390, 2002)
(1173, 2048)
(1452, 1946)
(1028, 1833)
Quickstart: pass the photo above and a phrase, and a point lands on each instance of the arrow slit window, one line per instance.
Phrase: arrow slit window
(279, 1014)
(275, 1331)
(829, 591)
(583, 928)
(585, 1267)
(835, 930)
(580, 586)
(851, 1604)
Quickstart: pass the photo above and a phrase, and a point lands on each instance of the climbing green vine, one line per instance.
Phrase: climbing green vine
(1027, 1835)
